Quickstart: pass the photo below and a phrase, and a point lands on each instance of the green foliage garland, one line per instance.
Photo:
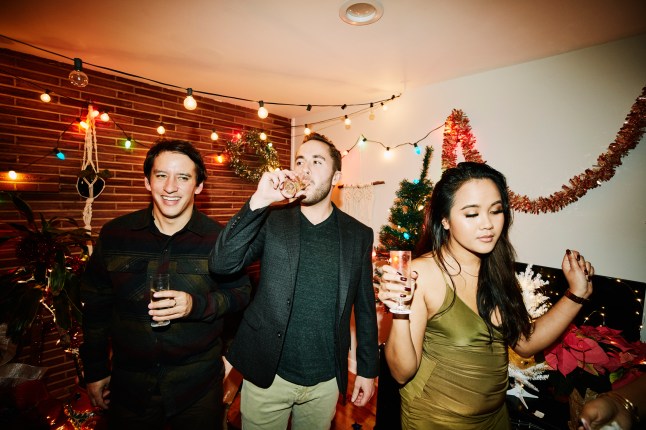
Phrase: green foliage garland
(235, 149)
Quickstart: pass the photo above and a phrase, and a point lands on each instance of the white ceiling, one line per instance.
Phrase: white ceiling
(300, 52)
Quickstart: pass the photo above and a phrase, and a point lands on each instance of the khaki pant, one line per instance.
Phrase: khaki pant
(311, 408)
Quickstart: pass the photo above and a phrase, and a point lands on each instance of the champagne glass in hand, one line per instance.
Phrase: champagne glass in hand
(401, 262)
(158, 282)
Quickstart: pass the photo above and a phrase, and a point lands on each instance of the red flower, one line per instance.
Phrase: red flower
(596, 350)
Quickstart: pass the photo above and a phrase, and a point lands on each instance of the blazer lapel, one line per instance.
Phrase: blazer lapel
(346, 248)
(291, 233)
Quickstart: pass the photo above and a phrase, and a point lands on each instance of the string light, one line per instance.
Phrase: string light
(384, 106)
(161, 130)
(343, 106)
(263, 136)
(46, 97)
(214, 135)
(128, 143)
(262, 110)
(95, 113)
(372, 112)
(77, 77)
(347, 121)
(12, 175)
(388, 154)
(84, 125)
(417, 149)
(219, 158)
(308, 108)
(58, 153)
(189, 101)
(104, 116)
(307, 130)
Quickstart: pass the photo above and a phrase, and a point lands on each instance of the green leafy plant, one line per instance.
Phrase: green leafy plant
(51, 254)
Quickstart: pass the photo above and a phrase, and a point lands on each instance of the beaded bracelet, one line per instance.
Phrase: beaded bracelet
(627, 404)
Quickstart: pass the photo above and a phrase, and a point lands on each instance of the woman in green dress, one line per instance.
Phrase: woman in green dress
(450, 352)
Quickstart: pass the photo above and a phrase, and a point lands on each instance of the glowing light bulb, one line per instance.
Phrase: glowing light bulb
(270, 145)
(418, 150)
(59, 154)
(46, 97)
(189, 101)
(105, 117)
(263, 136)
(361, 140)
(84, 125)
(95, 113)
(77, 77)
(307, 130)
(372, 115)
(262, 110)
(388, 154)
(345, 153)
(347, 121)
(127, 143)
(214, 135)
(161, 129)
(219, 158)
(384, 106)
(13, 175)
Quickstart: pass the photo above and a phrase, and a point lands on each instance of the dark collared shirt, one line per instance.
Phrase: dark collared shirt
(181, 360)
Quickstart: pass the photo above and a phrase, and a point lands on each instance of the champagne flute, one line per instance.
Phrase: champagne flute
(158, 282)
(401, 261)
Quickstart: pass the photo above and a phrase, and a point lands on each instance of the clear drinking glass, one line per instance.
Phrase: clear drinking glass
(158, 282)
(291, 187)
(400, 261)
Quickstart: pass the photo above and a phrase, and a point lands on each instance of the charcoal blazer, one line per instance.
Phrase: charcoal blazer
(272, 235)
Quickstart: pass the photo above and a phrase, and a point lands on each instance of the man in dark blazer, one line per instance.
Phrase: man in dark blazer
(315, 268)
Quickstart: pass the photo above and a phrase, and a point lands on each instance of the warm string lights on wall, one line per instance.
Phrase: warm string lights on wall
(362, 140)
(79, 78)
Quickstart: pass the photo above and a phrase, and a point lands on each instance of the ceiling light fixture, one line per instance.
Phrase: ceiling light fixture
(356, 12)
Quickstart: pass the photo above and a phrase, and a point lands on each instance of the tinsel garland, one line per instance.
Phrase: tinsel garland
(236, 148)
(457, 129)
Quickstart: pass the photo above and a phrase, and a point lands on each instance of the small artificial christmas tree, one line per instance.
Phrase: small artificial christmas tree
(407, 213)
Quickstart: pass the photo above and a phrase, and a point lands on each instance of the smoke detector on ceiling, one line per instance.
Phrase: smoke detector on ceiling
(361, 12)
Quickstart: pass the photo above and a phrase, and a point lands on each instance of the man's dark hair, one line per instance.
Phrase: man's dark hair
(334, 153)
(181, 146)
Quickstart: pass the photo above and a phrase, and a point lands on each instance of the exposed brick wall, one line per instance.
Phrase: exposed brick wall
(30, 128)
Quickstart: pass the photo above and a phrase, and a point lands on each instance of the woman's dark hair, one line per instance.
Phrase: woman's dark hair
(498, 287)
(181, 146)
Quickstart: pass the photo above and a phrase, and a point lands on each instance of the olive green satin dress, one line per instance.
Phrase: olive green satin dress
(462, 379)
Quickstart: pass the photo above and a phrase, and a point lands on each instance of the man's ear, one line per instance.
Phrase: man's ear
(336, 178)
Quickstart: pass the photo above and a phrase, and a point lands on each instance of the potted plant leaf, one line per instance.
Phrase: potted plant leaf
(51, 254)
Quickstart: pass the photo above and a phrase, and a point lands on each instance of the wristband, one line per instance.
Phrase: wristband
(627, 404)
(576, 299)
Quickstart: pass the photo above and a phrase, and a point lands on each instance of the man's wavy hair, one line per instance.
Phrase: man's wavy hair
(334, 153)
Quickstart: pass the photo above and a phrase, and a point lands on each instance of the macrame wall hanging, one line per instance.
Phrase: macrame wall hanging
(90, 184)
(358, 200)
